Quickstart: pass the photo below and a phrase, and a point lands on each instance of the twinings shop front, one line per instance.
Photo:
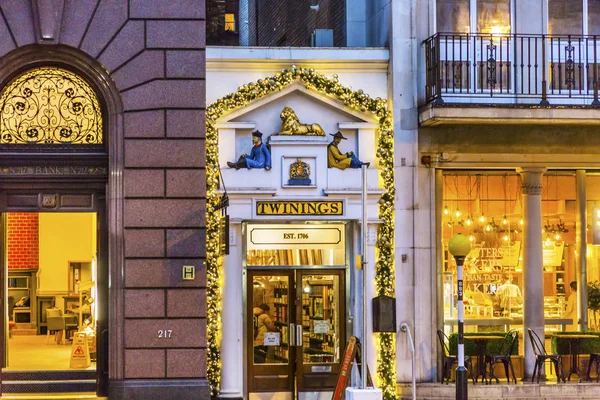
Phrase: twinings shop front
(293, 167)
(488, 207)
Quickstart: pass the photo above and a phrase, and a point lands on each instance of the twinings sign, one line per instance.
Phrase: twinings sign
(299, 208)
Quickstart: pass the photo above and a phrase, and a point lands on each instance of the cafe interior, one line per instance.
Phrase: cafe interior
(50, 290)
(487, 207)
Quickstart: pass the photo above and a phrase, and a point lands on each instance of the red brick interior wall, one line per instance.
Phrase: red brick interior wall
(23, 240)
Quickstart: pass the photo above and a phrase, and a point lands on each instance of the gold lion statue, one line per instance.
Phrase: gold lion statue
(291, 125)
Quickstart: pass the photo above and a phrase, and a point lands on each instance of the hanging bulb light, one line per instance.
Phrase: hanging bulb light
(505, 221)
(471, 238)
(521, 222)
(469, 221)
(548, 242)
(506, 238)
(457, 213)
(488, 228)
(482, 219)
(557, 236)
(446, 211)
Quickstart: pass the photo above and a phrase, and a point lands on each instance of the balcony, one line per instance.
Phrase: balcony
(512, 78)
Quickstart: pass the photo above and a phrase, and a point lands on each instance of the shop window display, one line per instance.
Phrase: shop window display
(488, 208)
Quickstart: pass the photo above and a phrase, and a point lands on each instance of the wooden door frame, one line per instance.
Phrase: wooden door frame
(295, 303)
(290, 273)
(341, 273)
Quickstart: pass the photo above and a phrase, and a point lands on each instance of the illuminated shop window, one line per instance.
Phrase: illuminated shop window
(49, 106)
(230, 22)
(488, 208)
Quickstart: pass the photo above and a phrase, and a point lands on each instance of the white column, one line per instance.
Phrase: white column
(533, 269)
(581, 246)
(371, 293)
(226, 132)
(232, 332)
(226, 146)
(366, 141)
(413, 293)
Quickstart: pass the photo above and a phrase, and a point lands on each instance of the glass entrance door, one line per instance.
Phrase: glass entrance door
(321, 318)
(295, 329)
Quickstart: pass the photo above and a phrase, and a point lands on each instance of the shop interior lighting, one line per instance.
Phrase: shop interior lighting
(469, 221)
(457, 213)
(446, 211)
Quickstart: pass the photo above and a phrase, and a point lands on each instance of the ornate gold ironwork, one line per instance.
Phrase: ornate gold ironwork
(49, 106)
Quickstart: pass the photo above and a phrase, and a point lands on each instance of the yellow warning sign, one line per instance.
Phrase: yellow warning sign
(80, 354)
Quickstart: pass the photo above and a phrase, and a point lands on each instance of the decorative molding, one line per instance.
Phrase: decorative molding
(47, 20)
(531, 180)
(357, 125)
(236, 125)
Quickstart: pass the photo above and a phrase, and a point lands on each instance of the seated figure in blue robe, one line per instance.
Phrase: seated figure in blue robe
(259, 156)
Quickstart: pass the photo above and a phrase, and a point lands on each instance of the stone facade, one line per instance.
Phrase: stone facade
(150, 54)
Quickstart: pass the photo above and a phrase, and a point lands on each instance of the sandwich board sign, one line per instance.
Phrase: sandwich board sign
(80, 353)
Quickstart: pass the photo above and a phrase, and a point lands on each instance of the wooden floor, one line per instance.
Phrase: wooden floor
(30, 352)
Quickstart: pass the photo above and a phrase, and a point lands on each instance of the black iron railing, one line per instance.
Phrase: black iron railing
(529, 68)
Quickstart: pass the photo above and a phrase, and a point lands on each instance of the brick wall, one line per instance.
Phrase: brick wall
(23, 240)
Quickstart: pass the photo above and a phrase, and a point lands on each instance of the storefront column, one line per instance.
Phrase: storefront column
(533, 269)
(581, 240)
(232, 350)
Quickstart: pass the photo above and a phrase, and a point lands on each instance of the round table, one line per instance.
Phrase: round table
(481, 342)
(574, 344)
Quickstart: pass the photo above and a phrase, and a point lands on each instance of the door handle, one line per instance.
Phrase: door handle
(299, 332)
(292, 334)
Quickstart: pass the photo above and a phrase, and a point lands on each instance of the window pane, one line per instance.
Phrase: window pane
(452, 15)
(493, 16)
(271, 319)
(594, 17)
(230, 22)
(565, 17)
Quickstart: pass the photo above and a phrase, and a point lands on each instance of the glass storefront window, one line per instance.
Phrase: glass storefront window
(565, 17)
(593, 243)
(488, 208)
(452, 16)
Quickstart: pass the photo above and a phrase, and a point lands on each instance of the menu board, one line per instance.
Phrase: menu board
(553, 253)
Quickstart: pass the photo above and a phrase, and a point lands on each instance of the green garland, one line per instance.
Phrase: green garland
(357, 100)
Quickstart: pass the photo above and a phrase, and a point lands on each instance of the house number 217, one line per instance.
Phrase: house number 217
(164, 333)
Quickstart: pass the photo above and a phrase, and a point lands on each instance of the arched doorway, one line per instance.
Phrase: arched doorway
(53, 174)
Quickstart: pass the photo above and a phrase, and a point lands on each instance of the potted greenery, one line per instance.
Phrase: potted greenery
(593, 292)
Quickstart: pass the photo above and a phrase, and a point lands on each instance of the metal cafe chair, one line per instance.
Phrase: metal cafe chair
(508, 345)
(594, 359)
(541, 356)
(449, 360)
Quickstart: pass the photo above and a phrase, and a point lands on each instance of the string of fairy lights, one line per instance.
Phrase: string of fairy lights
(357, 100)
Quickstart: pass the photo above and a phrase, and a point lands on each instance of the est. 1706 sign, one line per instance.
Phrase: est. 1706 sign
(299, 208)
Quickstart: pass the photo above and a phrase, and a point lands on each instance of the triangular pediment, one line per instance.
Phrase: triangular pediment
(296, 91)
